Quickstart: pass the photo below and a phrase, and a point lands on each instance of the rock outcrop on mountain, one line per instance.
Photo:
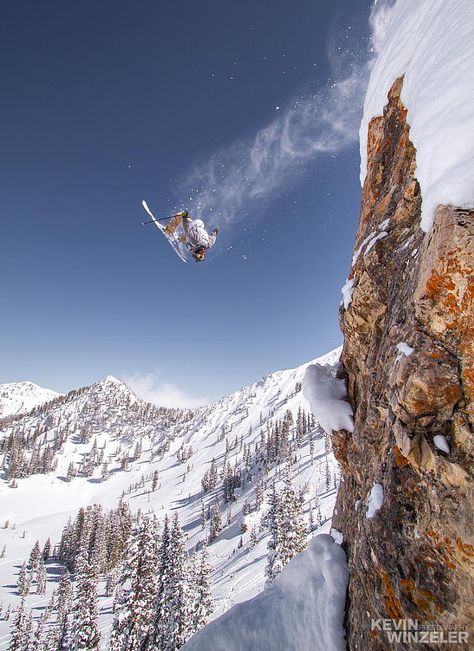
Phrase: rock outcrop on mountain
(405, 505)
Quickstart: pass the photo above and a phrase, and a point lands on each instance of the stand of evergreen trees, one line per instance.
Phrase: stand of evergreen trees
(163, 596)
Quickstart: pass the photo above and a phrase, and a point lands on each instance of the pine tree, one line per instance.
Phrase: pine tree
(311, 447)
(162, 567)
(41, 578)
(132, 628)
(277, 535)
(216, 522)
(24, 581)
(287, 530)
(34, 557)
(104, 473)
(64, 595)
(203, 602)
(62, 640)
(175, 594)
(111, 583)
(85, 631)
(119, 527)
(46, 553)
(213, 476)
(98, 539)
(319, 517)
(327, 473)
(65, 640)
(71, 472)
(253, 537)
(40, 637)
(311, 524)
(180, 594)
(138, 450)
(22, 627)
(259, 495)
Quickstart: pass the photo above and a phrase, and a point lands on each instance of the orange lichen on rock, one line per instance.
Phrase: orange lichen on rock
(400, 460)
(466, 549)
(424, 599)
(393, 605)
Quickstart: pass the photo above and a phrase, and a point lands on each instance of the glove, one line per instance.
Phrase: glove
(215, 231)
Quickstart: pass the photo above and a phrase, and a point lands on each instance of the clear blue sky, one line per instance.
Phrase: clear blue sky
(106, 103)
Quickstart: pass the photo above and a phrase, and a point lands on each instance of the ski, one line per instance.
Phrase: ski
(178, 247)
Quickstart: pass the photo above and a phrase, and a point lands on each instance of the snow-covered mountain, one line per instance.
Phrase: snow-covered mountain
(101, 444)
(21, 397)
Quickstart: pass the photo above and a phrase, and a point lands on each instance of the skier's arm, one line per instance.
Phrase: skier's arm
(181, 213)
(213, 237)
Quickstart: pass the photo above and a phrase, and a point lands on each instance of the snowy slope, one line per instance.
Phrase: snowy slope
(21, 397)
(41, 504)
(302, 609)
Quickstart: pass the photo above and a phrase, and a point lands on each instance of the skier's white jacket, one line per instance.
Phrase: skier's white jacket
(197, 234)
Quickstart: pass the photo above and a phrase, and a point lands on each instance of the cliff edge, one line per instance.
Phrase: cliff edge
(405, 504)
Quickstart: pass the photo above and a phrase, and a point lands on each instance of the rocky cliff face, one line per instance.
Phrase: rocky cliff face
(408, 359)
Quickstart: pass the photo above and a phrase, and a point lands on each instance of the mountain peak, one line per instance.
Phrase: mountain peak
(113, 382)
(111, 379)
(21, 397)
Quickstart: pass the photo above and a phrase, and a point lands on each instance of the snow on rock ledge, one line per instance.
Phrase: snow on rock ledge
(431, 43)
(303, 609)
(327, 397)
(375, 500)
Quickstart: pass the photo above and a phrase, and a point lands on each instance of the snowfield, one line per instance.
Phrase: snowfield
(116, 420)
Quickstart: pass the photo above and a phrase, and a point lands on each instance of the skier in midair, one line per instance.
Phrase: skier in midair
(194, 234)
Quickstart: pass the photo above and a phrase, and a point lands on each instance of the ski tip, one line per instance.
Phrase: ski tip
(144, 204)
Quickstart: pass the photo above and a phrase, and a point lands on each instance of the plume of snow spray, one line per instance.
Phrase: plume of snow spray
(226, 187)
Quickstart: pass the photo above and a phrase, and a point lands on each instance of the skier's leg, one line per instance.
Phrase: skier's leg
(173, 224)
(183, 237)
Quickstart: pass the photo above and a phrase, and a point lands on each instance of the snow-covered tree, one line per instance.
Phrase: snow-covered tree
(21, 629)
(24, 581)
(203, 602)
(175, 594)
(40, 638)
(85, 631)
(35, 555)
(64, 595)
(259, 495)
(111, 582)
(181, 597)
(71, 472)
(46, 553)
(287, 529)
(216, 522)
(40, 577)
(253, 537)
(132, 629)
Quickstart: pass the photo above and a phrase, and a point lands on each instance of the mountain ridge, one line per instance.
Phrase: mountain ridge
(21, 397)
(234, 433)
